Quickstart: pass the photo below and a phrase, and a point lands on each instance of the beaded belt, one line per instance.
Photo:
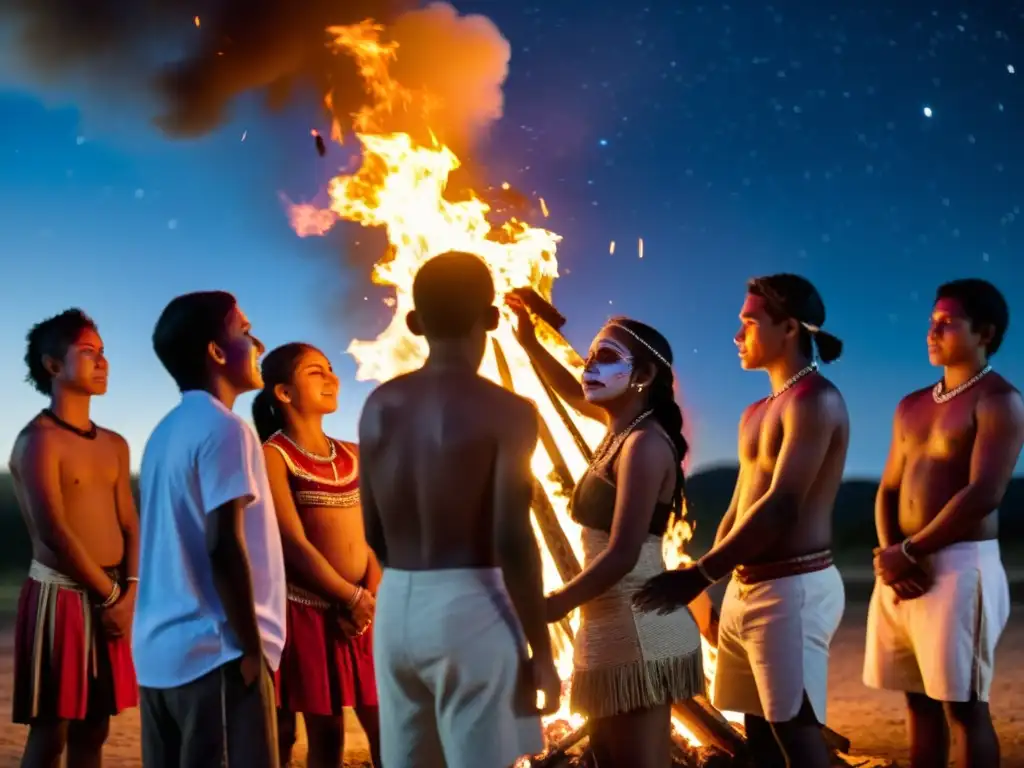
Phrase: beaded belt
(794, 566)
(307, 598)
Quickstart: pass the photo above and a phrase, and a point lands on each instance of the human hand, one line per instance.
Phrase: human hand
(892, 564)
(117, 619)
(671, 590)
(251, 668)
(556, 607)
(525, 329)
(361, 613)
(912, 586)
(540, 675)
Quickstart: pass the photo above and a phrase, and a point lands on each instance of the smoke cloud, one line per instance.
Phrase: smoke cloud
(193, 58)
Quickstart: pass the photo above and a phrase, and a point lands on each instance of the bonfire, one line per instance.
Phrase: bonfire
(400, 187)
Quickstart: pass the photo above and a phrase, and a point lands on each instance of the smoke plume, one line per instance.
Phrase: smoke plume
(194, 58)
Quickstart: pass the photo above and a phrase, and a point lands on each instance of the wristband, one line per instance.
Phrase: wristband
(132, 580)
(115, 593)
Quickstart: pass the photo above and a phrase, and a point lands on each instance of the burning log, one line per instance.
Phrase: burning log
(557, 752)
(541, 307)
(709, 726)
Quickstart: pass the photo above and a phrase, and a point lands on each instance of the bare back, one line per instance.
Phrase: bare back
(937, 442)
(61, 478)
(762, 434)
(429, 447)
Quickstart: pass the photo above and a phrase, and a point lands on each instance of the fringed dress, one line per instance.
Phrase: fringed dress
(625, 660)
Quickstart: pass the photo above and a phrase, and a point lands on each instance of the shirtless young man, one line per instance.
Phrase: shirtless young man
(446, 487)
(942, 600)
(72, 480)
(786, 599)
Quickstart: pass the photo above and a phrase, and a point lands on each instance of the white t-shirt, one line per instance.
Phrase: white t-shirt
(200, 457)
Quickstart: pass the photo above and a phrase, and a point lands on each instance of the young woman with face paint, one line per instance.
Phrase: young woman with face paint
(629, 667)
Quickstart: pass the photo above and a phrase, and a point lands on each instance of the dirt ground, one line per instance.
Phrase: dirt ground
(872, 720)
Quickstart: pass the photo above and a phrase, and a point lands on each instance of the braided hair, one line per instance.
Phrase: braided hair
(653, 348)
(278, 368)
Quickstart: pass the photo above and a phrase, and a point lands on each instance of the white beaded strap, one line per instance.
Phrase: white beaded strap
(636, 336)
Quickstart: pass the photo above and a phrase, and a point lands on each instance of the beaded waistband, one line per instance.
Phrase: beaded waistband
(794, 566)
(307, 598)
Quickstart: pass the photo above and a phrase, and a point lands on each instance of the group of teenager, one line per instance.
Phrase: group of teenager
(281, 572)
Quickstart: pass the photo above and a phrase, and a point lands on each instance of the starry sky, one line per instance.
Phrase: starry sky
(872, 150)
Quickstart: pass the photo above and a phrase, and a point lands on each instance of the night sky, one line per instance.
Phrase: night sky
(875, 151)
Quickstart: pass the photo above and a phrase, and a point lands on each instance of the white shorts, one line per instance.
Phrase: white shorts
(773, 644)
(448, 651)
(943, 643)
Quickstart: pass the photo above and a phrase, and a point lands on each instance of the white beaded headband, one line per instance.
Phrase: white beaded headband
(634, 334)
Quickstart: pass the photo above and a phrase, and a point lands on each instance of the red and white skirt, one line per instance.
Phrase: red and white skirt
(65, 666)
(322, 669)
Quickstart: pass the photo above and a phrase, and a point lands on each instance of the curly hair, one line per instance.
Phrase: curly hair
(51, 339)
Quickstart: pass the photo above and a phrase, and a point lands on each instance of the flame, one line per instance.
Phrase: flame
(400, 187)
(195, 20)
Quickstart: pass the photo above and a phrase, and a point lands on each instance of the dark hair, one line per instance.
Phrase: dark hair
(792, 297)
(984, 306)
(52, 338)
(451, 293)
(184, 332)
(661, 395)
(278, 368)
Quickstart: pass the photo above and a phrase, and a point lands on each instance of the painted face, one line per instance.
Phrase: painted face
(609, 370)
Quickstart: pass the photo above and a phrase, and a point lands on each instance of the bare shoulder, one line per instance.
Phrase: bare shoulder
(819, 401)
(510, 412)
(113, 439)
(750, 410)
(36, 440)
(1000, 399)
(914, 398)
(650, 445)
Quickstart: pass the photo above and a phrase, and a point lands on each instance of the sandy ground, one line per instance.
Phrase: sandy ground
(872, 720)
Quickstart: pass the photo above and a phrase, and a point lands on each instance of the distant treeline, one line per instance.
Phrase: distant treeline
(708, 495)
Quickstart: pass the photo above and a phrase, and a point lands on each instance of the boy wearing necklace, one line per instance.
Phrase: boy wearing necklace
(941, 598)
(73, 666)
(785, 600)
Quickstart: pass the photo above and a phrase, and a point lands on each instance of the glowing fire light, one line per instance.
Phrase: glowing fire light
(400, 187)
(195, 20)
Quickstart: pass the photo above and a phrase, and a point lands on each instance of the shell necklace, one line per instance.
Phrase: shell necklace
(940, 396)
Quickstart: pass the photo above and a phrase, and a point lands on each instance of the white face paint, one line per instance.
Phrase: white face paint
(608, 372)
